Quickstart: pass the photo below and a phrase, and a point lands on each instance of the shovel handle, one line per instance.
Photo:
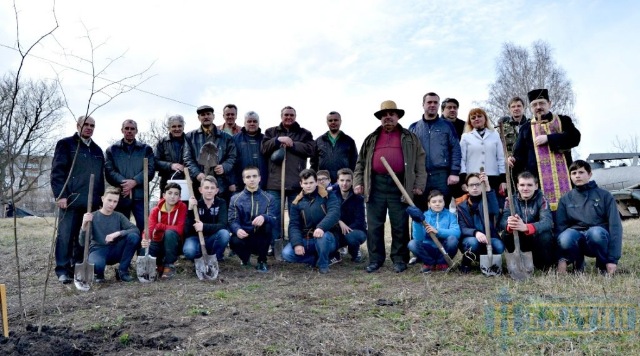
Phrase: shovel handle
(410, 202)
(282, 188)
(145, 181)
(485, 213)
(196, 216)
(87, 234)
(507, 170)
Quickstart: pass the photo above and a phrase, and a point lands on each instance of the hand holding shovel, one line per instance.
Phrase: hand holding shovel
(207, 265)
(490, 264)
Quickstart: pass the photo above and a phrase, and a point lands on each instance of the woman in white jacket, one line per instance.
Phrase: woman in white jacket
(481, 147)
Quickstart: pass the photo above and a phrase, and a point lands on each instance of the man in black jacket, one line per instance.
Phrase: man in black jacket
(334, 149)
(124, 168)
(72, 197)
(168, 156)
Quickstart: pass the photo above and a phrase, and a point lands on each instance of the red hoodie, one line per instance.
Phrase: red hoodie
(161, 220)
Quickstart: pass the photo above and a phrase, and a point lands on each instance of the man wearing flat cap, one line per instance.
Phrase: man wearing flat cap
(403, 151)
(209, 151)
(544, 147)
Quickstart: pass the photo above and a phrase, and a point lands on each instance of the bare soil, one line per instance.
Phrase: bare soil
(290, 310)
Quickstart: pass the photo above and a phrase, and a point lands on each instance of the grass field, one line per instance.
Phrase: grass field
(295, 310)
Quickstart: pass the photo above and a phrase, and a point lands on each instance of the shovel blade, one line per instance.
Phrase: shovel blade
(519, 264)
(83, 276)
(491, 265)
(146, 268)
(206, 267)
(278, 245)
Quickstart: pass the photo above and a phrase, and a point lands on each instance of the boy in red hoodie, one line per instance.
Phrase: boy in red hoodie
(166, 227)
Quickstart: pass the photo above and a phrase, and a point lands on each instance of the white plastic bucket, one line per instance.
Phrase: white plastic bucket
(184, 189)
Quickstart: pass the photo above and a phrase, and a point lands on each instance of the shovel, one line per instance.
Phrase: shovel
(208, 157)
(278, 244)
(146, 265)
(410, 202)
(83, 272)
(206, 266)
(490, 264)
(519, 264)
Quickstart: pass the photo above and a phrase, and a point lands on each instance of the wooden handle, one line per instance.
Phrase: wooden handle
(87, 232)
(145, 181)
(282, 188)
(196, 215)
(507, 170)
(485, 213)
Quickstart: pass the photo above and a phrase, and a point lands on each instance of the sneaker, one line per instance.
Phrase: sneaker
(98, 278)
(262, 267)
(399, 267)
(245, 264)
(441, 267)
(372, 267)
(427, 268)
(413, 261)
(465, 269)
(168, 272)
(357, 258)
(64, 279)
(123, 276)
(323, 270)
(270, 253)
(337, 258)
(343, 251)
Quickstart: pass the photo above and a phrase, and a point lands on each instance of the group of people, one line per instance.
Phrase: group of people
(240, 175)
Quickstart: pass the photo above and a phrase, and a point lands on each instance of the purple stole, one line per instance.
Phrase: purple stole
(552, 166)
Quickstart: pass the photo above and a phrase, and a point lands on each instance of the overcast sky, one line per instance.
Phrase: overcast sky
(346, 56)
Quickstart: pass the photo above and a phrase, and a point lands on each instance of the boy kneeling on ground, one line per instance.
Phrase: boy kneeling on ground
(590, 224)
(252, 214)
(166, 226)
(532, 219)
(114, 239)
(314, 212)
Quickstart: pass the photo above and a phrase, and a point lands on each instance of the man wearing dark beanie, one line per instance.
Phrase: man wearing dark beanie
(544, 147)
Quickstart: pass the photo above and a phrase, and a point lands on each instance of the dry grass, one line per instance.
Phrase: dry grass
(295, 310)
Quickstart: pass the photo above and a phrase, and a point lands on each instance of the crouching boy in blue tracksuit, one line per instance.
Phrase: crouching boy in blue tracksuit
(443, 224)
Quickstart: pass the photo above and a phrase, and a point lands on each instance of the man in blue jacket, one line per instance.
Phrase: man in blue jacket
(249, 147)
(590, 224)
(442, 147)
(314, 213)
(72, 200)
(252, 214)
(124, 168)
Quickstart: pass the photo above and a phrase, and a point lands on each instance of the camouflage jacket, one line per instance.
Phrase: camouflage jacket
(511, 129)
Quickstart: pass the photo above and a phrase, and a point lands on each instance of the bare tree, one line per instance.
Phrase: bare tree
(631, 145)
(519, 70)
(27, 125)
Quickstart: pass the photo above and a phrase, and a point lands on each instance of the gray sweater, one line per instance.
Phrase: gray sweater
(103, 225)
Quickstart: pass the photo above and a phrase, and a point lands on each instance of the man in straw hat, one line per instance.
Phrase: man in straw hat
(544, 147)
(403, 151)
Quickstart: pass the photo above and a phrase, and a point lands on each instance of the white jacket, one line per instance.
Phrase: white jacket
(480, 151)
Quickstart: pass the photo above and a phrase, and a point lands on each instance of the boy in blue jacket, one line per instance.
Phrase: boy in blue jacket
(471, 220)
(443, 224)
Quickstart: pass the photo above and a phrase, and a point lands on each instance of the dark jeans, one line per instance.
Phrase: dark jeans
(256, 243)
(385, 196)
(573, 245)
(289, 196)
(127, 206)
(428, 252)
(316, 249)
(68, 250)
(470, 248)
(119, 252)
(542, 247)
(166, 251)
(215, 244)
(352, 240)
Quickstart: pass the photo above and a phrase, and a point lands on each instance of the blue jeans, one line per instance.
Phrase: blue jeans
(167, 250)
(318, 248)
(573, 245)
(428, 252)
(289, 195)
(215, 244)
(353, 240)
(119, 252)
(470, 243)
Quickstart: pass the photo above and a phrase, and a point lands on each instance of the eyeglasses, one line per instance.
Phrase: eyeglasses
(323, 179)
(475, 185)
